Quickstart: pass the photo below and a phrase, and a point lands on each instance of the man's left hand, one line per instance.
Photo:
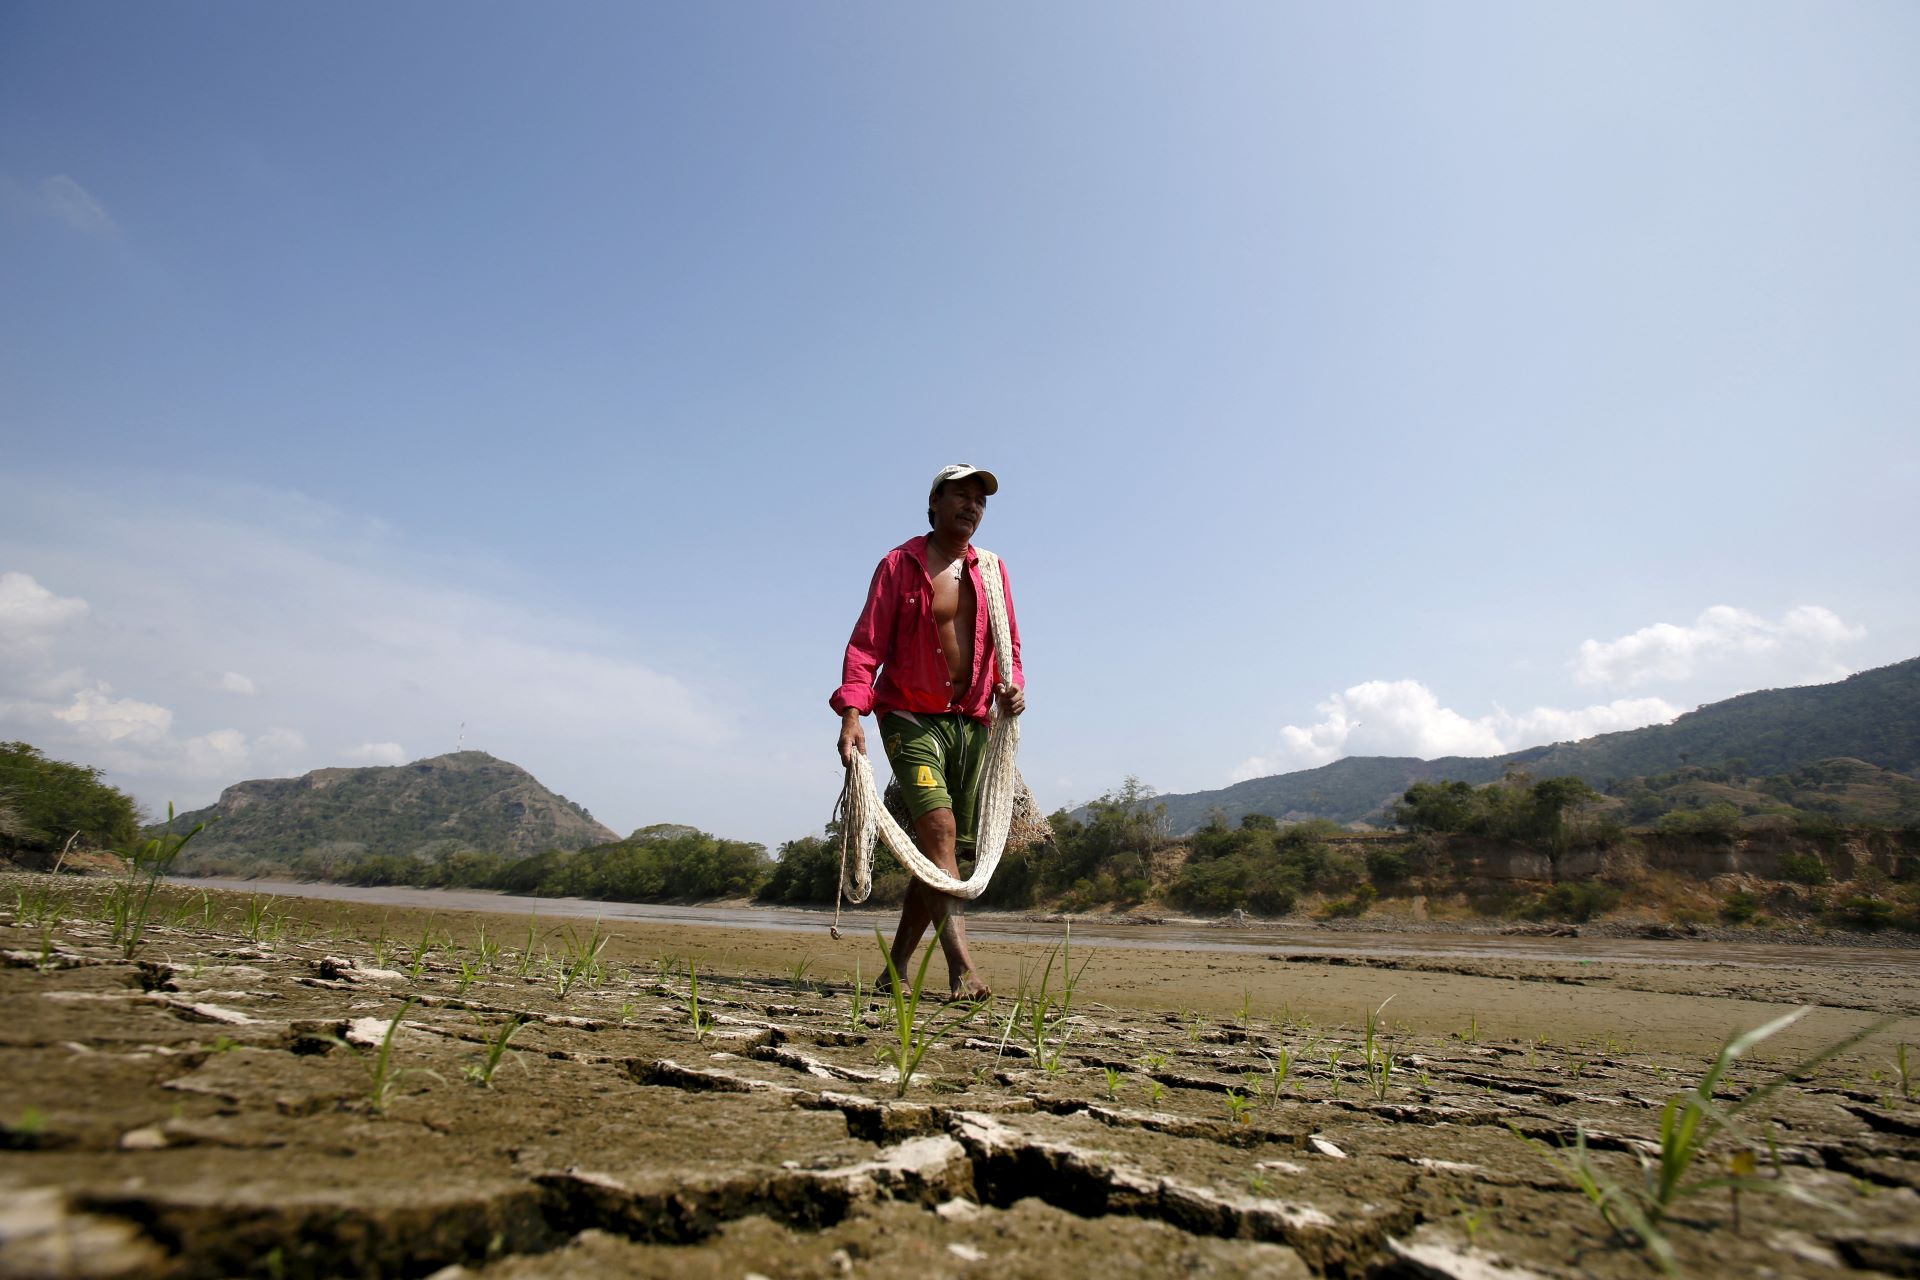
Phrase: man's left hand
(1013, 699)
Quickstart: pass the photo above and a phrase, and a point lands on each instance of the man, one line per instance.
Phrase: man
(924, 634)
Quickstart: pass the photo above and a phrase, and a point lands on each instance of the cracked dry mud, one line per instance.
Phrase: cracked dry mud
(205, 1111)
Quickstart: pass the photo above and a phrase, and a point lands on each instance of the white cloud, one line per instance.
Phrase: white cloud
(95, 717)
(1552, 724)
(1797, 649)
(378, 753)
(222, 753)
(281, 740)
(234, 682)
(1405, 718)
(29, 613)
(64, 200)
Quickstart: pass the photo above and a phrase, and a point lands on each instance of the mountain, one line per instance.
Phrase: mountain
(1872, 717)
(467, 800)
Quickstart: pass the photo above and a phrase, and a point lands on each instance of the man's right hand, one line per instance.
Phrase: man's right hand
(853, 737)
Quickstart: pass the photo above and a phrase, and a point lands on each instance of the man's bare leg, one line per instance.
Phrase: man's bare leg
(936, 835)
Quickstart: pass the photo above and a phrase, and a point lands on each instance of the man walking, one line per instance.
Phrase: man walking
(923, 634)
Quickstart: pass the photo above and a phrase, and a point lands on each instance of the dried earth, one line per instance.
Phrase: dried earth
(230, 1102)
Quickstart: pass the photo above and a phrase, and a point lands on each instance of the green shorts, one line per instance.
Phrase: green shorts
(938, 761)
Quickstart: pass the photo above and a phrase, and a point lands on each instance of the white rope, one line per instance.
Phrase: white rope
(864, 817)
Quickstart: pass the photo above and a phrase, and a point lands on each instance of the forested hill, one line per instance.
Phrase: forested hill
(467, 800)
(1873, 716)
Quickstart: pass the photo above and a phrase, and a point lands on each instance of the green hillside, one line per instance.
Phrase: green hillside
(466, 800)
(1872, 717)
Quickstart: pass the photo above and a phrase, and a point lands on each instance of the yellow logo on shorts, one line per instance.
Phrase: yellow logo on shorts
(924, 778)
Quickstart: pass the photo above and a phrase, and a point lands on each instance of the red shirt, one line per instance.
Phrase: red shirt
(895, 636)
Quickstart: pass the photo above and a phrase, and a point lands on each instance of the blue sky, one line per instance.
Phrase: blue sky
(1362, 379)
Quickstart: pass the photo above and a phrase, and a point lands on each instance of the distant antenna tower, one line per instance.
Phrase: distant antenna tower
(460, 743)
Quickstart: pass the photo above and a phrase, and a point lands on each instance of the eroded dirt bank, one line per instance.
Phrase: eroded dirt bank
(220, 1105)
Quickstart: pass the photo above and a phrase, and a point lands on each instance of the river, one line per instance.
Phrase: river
(1291, 939)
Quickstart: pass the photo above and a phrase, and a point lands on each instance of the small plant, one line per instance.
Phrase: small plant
(526, 952)
(130, 901)
(1333, 1071)
(1906, 1072)
(1379, 1060)
(1470, 1223)
(856, 1001)
(486, 951)
(1472, 1034)
(626, 1012)
(582, 962)
(383, 1076)
(1279, 1067)
(41, 906)
(469, 974)
(1196, 1028)
(797, 974)
(911, 1041)
(1259, 1183)
(223, 1044)
(254, 920)
(701, 1023)
(481, 1073)
(1155, 1091)
(1115, 1078)
(1153, 1061)
(1246, 1010)
(1238, 1105)
(1043, 1019)
(1688, 1124)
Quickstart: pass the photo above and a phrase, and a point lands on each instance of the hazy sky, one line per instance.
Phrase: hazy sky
(1388, 378)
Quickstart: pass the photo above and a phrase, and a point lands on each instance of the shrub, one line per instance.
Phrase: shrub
(1818, 828)
(1388, 866)
(1740, 907)
(1804, 868)
(1861, 913)
(1249, 881)
(1718, 821)
(1575, 901)
(1123, 821)
(1347, 908)
(50, 800)
(808, 871)
(1272, 895)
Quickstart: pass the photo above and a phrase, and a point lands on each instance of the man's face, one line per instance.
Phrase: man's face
(960, 504)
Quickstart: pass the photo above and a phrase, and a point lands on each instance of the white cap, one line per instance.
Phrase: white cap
(960, 471)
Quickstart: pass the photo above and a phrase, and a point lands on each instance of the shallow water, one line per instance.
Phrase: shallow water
(1290, 940)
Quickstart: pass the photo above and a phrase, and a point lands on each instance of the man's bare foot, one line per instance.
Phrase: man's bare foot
(969, 989)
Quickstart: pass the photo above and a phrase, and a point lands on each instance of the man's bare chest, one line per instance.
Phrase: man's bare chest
(952, 593)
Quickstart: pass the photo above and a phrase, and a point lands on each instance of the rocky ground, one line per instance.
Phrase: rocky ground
(293, 1089)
